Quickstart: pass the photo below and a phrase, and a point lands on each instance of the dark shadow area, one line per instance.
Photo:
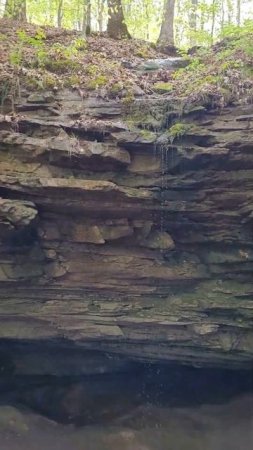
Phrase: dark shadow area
(60, 397)
(70, 385)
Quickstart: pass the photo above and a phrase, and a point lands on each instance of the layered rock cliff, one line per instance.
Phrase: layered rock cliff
(125, 240)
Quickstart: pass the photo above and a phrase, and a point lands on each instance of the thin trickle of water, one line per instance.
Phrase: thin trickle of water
(167, 155)
(167, 165)
(172, 157)
(164, 168)
(155, 151)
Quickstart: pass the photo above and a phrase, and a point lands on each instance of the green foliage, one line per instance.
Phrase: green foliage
(49, 81)
(144, 117)
(162, 86)
(148, 135)
(232, 30)
(178, 130)
(59, 58)
(116, 88)
(97, 82)
(17, 54)
(128, 98)
(16, 57)
(3, 37)
(142, 51)
(238, 38)
(5, 89)
(220, 75)
(72, 80)
(79, 44)
(230, 65)
(92, 69)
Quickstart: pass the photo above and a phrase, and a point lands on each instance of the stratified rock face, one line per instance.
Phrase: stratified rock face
(129, 242)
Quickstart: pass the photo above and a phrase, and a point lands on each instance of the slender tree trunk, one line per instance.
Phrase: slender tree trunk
(147, 20)
(202, 20)
(193, 15)
(177, 28)
(166, 37)
(238, 12)
(88, 20)
(193, 21)
(116, 26)
(213, 19)
(59, 13)
(101, 9)
(222, 14)
(78, 17)
(230, 11)
(8, 8)
(15, 9)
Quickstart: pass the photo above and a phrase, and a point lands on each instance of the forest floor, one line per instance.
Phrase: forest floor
(46, 58)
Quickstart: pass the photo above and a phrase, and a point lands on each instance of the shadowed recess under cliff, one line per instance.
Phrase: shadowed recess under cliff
(57, 397)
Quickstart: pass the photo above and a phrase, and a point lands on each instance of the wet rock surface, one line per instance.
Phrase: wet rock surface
(120, 237)
(167, 63)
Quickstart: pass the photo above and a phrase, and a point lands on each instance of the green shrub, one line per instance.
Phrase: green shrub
(178, 130)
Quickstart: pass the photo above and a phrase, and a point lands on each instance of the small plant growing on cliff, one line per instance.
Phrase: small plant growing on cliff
(147, 135)
(5, 90)
(61, 59)
(97, 82)
(143, 51)
(163, 87)
(178, 130)
(58, 59)
(36, 41)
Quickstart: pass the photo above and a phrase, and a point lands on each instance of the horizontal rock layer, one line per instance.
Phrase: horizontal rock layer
(126, 240)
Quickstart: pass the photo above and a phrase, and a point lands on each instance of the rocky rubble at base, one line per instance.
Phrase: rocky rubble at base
(214, 427)
(123, 239)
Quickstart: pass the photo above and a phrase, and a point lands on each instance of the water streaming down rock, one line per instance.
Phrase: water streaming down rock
(167, 164)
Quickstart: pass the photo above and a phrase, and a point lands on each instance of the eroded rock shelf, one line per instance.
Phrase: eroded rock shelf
(120, 239)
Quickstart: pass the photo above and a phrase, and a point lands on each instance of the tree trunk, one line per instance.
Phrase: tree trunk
(230, 11)
(116, 26)
(193, 15)
(101, 10)
(147, 20)
(166, 37)
(222, 14)
(88, 19)
(15, 9)
(178, 26)
(213, 19)
(238, 12)
(193, 21)
(86, 23)
(59, 14)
